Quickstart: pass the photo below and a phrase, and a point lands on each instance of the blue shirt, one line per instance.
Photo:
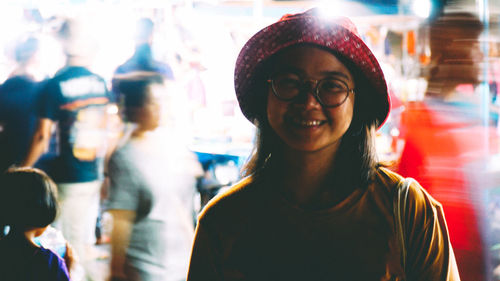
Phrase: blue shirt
(22, 261)
(18, 96)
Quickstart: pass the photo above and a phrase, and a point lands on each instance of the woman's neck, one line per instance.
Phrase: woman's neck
(304, 175)
(138, 133)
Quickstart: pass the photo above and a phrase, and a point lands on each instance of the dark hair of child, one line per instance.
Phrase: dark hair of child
(28, 199)
(28, 205)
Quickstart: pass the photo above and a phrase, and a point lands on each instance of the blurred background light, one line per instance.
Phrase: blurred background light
(421, 8)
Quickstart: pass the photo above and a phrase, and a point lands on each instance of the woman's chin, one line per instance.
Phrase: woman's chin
(312, 146)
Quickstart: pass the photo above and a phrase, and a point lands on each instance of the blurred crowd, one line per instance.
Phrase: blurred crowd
(115, 145)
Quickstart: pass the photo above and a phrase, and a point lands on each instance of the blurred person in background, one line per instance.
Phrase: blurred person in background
(143, 59)
(446, 144)
(18, 96)
(150, 176)
(316, 204)
(77, 102)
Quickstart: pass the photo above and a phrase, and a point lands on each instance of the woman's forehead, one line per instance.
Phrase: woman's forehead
(304, 59)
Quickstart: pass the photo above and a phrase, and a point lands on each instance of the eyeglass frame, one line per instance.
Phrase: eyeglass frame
(315, 92)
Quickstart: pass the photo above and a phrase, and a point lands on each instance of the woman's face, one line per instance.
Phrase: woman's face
(149, 113)
(303, 123)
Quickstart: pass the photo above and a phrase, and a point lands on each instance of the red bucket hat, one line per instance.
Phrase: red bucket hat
(338, 35)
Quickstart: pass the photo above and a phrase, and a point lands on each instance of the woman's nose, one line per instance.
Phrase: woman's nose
(309, 100)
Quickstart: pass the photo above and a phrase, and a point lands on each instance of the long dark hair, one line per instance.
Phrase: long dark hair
(356, 151)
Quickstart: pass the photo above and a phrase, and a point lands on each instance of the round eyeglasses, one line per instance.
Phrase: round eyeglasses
(330, 92)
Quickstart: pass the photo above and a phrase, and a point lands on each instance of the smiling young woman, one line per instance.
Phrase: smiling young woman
(302, 122)
(315, 204)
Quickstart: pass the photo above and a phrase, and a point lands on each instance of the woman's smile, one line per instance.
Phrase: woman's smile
(307, 123)
(305, 127)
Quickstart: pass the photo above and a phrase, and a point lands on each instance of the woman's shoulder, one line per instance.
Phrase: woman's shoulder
(387, 180)
(417, 195)
(237, 200)
(387, 176)
(122, 156)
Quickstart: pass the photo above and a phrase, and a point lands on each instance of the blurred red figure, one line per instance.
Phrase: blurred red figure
(446, 143)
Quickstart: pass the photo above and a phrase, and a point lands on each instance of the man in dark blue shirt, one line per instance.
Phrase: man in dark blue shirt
(18, 95)
(142, 60)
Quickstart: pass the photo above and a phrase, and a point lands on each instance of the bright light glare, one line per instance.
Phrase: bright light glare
(330, 8)
(112, 109)
(422, 8)
(338, 8)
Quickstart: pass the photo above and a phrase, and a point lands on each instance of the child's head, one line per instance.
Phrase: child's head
(28, 199)
(140, 104)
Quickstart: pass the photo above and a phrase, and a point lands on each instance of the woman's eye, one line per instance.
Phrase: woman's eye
(332, 85)
(288, 83)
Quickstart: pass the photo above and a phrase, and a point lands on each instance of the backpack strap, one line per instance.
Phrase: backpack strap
(400, 205)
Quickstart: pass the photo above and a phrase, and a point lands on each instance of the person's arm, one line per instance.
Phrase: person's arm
(123, 221)
(123, 203)
(114, 134)
(40, 141)
(430, 254)
(69, 257)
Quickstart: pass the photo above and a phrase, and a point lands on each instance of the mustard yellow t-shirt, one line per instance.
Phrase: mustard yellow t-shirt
(253, 233)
